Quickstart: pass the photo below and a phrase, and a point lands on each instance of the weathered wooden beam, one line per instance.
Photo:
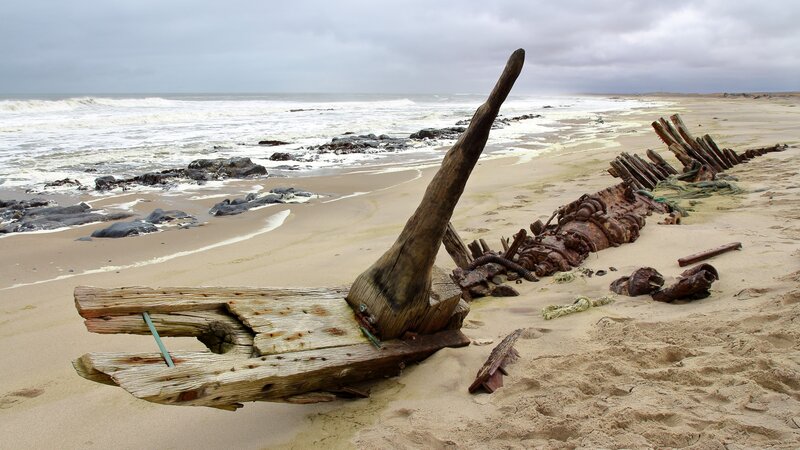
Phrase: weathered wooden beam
(519, 238)
(279, 319)
(396, 290)
(490, 375)
(223, 381)
(660, 162)
(712, 148)
(625, 174)
(455, 247)
(681, 154)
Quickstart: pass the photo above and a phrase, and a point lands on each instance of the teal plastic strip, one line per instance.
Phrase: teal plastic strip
(161, 346)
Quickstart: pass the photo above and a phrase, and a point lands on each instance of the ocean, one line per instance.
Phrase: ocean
(46, 138)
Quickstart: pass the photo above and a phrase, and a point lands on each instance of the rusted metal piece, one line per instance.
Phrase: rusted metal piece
(701, 256)
(674, 218)
(490, 375)
(693, 284)
(645, 280)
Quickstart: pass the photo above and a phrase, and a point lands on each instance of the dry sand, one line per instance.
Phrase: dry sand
(723, 372)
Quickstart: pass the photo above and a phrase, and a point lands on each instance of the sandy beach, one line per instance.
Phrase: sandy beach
(717, 373)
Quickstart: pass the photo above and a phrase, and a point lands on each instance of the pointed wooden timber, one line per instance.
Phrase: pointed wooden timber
(299, 345)
(396, 291)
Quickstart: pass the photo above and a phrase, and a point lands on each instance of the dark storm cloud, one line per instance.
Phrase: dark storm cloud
(410, 46)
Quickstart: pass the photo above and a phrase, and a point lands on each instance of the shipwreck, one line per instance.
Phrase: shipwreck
(300, 345)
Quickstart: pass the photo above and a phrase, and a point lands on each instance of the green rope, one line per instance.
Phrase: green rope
(160, 344)
(581, 303)
(672, 190)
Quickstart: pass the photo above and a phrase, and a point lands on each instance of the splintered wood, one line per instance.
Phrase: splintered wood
(490, 376)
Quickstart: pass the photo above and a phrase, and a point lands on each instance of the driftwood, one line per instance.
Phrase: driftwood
(702, 256)
(300, 345)
(490, 375)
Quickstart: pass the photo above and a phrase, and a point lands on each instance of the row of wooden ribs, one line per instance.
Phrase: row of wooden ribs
(607, 218)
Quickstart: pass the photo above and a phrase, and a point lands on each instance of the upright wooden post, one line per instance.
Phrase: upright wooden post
(395, 292)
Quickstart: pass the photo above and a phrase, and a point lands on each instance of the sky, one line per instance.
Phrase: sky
(344, 46)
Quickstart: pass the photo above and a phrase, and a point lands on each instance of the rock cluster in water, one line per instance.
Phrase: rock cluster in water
(199, 170)
(501, 122)
(38, 214)
(239, 205)
(146, 225)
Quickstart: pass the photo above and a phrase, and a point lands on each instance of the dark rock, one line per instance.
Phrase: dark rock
(236, 167)
(200, 170)
(272, 143)
(504, 290)
(154, 178)
(365, 143)
(438, 133)
(37, 214)
(64, 182)
(105, 183)
(239, 205)
(293, 191)
(280, 156)
(160, 216)
(123, 229)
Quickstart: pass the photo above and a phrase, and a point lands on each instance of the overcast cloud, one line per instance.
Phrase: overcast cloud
(148, 46)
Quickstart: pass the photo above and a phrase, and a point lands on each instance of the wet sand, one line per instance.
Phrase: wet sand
(720, 371)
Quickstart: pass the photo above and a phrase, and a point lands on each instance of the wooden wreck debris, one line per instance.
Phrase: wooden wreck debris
(396, 291)
(608, 218)
(702, 256)
(456, 247)
(490, 375)
(300, 345)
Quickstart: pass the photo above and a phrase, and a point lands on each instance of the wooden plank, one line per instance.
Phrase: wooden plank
(205, 379)
(456, 247)
(220, 331)
(660, 162)
(290, 323)
(501, 356)
(96, 302)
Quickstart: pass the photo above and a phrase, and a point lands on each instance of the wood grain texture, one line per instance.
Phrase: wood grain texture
(206, 379)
